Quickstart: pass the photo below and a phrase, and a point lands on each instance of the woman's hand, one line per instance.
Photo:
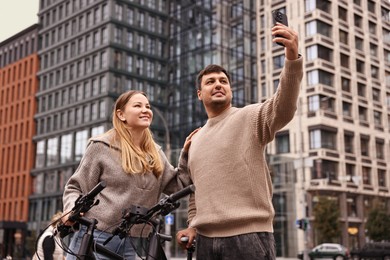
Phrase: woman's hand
(187, 143)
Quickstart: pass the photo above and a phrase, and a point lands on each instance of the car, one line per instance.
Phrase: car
(328, 250)
(378, 250)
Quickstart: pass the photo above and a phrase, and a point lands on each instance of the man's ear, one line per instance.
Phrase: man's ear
(198, 92)
(119, 114)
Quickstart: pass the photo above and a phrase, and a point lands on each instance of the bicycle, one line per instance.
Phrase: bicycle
(130, 216)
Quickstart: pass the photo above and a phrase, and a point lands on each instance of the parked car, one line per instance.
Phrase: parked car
(328, 250)
(378, 250)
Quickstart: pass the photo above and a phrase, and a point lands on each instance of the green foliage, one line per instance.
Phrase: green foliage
(378, 225)
(326, 220)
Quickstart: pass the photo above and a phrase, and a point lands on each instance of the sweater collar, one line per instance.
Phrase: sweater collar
(223, 115)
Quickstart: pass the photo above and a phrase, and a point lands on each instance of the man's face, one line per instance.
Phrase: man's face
(215, 90)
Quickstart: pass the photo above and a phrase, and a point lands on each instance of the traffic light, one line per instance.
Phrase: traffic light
(302, 223)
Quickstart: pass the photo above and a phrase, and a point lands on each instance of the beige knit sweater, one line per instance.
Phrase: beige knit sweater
(228, 167)
(102, 163)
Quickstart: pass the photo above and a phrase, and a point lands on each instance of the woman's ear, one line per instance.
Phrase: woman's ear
(119, 114)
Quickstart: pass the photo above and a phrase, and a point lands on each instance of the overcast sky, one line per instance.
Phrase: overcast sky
(17, 15)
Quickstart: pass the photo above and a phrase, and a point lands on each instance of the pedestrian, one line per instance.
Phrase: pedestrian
(231, 213)
(135, 169)
(48, 245)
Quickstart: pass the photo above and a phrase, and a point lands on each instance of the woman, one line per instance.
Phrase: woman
(135, 170)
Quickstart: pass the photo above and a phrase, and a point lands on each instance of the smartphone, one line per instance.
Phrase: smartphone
(281, 18)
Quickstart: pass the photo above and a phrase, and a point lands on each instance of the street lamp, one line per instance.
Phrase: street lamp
(167, 133)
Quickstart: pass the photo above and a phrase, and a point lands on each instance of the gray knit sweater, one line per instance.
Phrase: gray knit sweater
(228, 167)
(103, 163)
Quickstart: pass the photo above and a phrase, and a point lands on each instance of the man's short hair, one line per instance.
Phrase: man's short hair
(210, 69)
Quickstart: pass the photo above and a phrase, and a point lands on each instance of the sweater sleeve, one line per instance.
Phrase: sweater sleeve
(85, 177)
(278, 111)
(175, 179)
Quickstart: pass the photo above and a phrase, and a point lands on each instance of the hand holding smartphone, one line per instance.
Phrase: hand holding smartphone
(281, 18)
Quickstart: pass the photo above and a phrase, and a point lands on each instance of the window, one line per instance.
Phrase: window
(316, 26)
(378, 118)
(282, 143)
(364, 145)
(346, 84)
(375, 72)
(343, 14)
(52, 151)
(348, 142)
(373, 50)
(372, 28)
(371, 6)
(376, 94)
(323, 138)
(385, 14)
(361, 89)
(366, 172)
(362, 114)
(66, 148)
(278, 62)
(358, 21)
(315, 77)
(81, 143)
(319, 51)
(359, 44)
(380, 148)
(311, 5)
(360, 66)
(347, 109)
(40, 157)
(344, 60)
(325, 169)
(343, 36)
(382, 178)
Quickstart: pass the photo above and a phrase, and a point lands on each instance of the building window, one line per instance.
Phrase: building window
(366, 172)
(278, 62)
(385, 13)
(40, 157)
(315, 77)
(372, 28)
(362, 114)
(80, 144)
(282, 143)
(360, 66)
(376, 94)
(375, 72)
(359, 44)
(380, 148)
(325, 169)
(344, 60)
(52, 151)
(343, 36)
(319, 51)
(316, 26)
(347, 109)
(358, 21)
(346, 84)
(377, 118)
(364, 145)
(348, 142)
(361, 89)
(321, 138)
(343, 14)
(382, 178)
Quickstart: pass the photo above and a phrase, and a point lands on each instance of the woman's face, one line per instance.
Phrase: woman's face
(136, 114)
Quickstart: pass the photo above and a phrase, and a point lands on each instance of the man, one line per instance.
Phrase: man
(231, 212)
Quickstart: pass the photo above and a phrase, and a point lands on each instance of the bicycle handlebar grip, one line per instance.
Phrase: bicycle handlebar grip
(182, 193)
(95, 191)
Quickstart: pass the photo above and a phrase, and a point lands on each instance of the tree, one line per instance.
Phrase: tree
(378, 224)
(326, 219)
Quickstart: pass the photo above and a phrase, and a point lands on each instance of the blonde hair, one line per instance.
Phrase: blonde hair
(135, 160)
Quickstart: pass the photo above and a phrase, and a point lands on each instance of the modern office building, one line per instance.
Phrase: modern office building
(19, 64)
(339, 141)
